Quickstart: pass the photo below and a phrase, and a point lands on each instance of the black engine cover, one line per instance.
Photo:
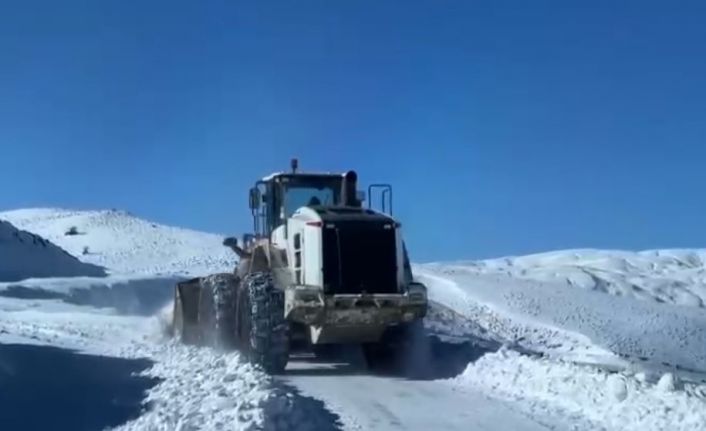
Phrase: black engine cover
(359, 252)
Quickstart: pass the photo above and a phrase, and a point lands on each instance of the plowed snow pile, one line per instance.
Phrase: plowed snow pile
(615, 401)
(206, 390)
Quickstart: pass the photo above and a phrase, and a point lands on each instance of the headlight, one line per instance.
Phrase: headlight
(307, 296)
(417, 293)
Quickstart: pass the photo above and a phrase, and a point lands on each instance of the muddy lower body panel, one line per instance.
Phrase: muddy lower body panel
(351, 318)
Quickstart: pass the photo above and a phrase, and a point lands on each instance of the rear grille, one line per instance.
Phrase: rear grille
(359, 257)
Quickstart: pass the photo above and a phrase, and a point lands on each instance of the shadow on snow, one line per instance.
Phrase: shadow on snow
(47, 388)
(142, 297)
(434, 358)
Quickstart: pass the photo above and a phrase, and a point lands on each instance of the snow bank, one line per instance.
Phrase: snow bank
(23, 255)
(126, 244)
(665, 276)
(616, 401)
(201, 389)
(126, 294)
(562, 321)
(205, 389)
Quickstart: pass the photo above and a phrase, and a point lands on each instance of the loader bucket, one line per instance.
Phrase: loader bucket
(188, 292)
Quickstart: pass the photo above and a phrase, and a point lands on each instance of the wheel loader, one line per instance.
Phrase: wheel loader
(320, 268)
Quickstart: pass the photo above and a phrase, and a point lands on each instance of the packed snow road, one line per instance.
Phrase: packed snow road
(369, 402)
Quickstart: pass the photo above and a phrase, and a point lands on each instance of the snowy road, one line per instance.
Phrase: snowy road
(368, 402)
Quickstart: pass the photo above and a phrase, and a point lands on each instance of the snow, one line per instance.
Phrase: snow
(667, 383)
(616, 402)
(598, 351)
(617, 387)
(592, 339)
(125, 244)
(592, 322)
(24, 254)
(666, 276)
(200, 388)
(203, 389)
(271, 176)
(386, 403)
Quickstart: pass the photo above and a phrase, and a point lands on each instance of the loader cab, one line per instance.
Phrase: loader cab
(276, 197)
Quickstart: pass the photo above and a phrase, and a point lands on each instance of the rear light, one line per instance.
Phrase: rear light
(314, 223)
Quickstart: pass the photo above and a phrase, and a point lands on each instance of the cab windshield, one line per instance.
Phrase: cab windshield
(310, 191)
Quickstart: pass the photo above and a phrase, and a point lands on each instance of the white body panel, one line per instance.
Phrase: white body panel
(306, 253)
(278, 238)
(335, 318)
(305, 239)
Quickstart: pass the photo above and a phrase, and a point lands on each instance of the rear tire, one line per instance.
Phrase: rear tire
(263, 330)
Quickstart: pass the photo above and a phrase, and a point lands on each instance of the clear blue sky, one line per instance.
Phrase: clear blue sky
(506, 127)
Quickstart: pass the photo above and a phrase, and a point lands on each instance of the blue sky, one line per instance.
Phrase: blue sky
(506, 127)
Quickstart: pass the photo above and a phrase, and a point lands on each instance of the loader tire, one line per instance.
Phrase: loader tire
(217, 310)
(264, 332)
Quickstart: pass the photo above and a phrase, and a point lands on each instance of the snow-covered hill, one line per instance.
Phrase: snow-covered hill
(667, 276)
(125, 244)
(587, 305)
(24, 255)
(610, 333)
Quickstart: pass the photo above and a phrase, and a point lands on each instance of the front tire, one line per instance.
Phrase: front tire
(263, 330)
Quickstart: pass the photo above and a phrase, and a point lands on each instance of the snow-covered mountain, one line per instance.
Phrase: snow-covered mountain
(125, 244)
(24, 254)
